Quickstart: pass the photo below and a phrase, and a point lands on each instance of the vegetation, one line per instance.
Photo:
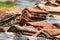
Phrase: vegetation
(7, 4)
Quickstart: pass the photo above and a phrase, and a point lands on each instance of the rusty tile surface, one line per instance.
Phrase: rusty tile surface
(3, 29)
(35, 9)
(3, 9)
(44, 24)
(52, 31)
(14, 9)
(31, 27)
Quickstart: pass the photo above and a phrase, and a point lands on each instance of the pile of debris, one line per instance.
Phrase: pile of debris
(30, 21)
(8, 15)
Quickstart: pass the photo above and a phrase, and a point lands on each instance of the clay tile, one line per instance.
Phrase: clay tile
(46, 25)
(31, 27)
(15, 10)
(39, 23)
(3, 29)
(35, 9)
(52, 31)
(3, 9)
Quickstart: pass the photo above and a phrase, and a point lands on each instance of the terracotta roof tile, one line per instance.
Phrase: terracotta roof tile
(14, 9)
(52, 31)
(35, 9)
(3, 9)
(46, 25)
(31, 27)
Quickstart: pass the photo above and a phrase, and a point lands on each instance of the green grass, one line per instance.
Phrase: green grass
(6, 4)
